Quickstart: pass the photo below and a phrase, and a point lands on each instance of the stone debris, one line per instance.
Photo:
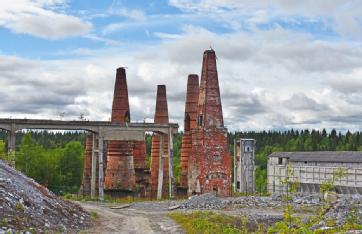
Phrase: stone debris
(205, 201)
(120, 207)
(26, 205)
(174, 207)
(346, 207)
(155, 205)
(210, 201)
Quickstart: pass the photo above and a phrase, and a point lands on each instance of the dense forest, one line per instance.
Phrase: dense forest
(55, 159)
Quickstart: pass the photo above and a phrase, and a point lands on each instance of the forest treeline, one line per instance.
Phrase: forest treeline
(55, 159)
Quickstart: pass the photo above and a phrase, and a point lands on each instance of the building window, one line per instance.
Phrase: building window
(238, 185)
(248, 146)
(200, 120)
(280, 161)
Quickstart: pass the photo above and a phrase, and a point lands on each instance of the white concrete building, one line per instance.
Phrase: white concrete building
(311, 169)
(244, 165)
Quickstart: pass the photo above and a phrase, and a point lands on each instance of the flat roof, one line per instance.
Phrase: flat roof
(321, 156)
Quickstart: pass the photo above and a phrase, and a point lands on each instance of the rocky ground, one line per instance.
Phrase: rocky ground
(258, 209)
(26, 205)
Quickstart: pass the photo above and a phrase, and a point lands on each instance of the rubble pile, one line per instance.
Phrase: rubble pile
(347, 207)
(210, 201)
(253, 201)
(204, 201)
(26, 205)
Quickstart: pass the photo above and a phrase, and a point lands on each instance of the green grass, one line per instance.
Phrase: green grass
(93, 215)
(207, 222)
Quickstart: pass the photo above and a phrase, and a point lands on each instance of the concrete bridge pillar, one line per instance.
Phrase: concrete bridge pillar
(160, 169)
(94, 166)
(170, 163)
(100, 168)
(11, 146)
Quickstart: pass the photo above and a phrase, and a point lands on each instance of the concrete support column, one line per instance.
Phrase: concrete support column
(170, 163)
(11, 146)
(100, 168)
(160, 169)
(94, 166)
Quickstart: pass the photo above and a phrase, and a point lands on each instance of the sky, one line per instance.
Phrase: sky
(281, 63)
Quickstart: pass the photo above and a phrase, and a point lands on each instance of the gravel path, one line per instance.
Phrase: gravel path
(130, 220)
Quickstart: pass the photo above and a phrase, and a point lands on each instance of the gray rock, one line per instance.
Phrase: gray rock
(22, 198)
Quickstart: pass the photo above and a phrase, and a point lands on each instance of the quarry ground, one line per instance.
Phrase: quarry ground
(153, 217)
(129, 220)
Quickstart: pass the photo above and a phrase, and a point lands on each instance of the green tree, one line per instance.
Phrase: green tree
(71, 164)
(28, 156)
(2, 150)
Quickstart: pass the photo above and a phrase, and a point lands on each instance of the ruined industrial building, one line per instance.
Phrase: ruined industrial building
(190, 116)
(124, 161)
(244, 166)
(160, 178)
(205, 160)
(312, 169)
(209, 159)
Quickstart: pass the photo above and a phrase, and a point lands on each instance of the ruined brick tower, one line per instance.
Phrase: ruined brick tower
(120, 174)
(209, 161)
(124, 161)
(161, 117)
(85, 188)
(192, 96)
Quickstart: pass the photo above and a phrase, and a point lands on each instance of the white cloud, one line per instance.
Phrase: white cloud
(345, 15)
(41, 19)
(107, 41)
(348, 83)
(113, 27)
(268, 79)
(137, 15)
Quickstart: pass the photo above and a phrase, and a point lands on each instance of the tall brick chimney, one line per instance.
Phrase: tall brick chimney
(120, 106)
(120, 174)
(209, 106)
(209, 161)
(192, 97)
(161, 117)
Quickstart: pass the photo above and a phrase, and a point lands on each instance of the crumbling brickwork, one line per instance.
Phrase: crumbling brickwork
(192, 96)
(161, 117)
(209, 161)
(85, 188)
(124, 161)
(120, 174)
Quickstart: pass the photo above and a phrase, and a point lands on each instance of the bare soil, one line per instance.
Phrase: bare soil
(129, 220)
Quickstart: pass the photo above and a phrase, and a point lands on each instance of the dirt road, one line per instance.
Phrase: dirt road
(130, 220)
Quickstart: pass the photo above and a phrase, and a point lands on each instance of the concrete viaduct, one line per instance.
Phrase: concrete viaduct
(102, 131)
